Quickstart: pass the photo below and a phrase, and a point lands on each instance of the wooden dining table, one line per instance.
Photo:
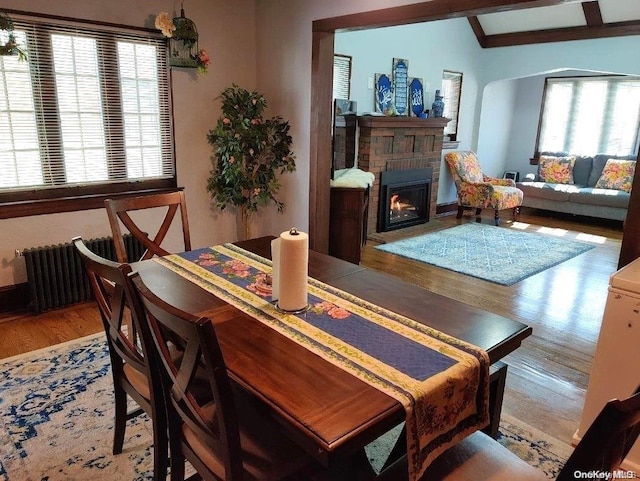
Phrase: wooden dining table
(326, 410)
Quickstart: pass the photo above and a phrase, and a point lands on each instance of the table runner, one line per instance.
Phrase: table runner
(442, 382)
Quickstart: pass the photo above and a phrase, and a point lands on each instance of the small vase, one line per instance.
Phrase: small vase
(437, 108)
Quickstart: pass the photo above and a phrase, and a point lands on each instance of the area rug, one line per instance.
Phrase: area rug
(56, 422)
(530, 444)
(496, 254)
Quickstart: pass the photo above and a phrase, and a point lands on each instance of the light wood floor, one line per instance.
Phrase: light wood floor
(547, 376)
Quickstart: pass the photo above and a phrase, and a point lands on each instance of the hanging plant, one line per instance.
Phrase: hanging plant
(10, 47)
(250, 153)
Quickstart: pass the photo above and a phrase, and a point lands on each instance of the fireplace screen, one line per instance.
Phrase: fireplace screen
(406, 204)
(404, 198)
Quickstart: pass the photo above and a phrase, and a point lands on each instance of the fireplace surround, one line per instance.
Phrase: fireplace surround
(399, 144)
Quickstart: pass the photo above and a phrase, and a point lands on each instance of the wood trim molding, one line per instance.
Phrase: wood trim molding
(401, 122)
(320, 155)
(630, 248)
(446, 209)
(15, 297)
(26, 208)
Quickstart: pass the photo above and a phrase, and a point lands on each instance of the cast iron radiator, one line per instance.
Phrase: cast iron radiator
(56, 276)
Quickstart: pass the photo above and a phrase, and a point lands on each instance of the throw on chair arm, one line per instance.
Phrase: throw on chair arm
(496, 181)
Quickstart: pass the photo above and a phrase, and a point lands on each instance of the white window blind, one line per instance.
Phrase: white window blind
(590, 115)
(341, 76)
(451, 92)
(91, 106)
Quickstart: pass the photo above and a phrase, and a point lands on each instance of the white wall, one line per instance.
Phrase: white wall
(524, 124)
(496, 118)
(373, 52)
(501, 89)
(227, 31)
(284, 75)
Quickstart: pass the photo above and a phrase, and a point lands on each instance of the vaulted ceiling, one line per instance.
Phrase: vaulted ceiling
(558, 23)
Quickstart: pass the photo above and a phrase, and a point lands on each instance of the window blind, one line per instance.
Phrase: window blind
(341, 76)
(89, 106)
(590, 115)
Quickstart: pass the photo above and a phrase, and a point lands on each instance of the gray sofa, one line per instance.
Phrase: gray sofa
(580, 198)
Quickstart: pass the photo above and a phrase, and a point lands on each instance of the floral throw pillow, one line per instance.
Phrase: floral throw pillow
(556, 170)
(617, 174)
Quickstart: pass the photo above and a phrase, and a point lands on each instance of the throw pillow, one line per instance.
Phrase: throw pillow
(617, 174)
(556, 170)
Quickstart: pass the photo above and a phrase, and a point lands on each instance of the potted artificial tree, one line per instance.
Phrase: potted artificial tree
(249, 154)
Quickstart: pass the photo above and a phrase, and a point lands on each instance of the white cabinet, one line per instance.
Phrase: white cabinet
(616, 366)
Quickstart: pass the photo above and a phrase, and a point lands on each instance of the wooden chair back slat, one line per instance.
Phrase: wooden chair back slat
(167, 324)
(118, 212)
(111, 288)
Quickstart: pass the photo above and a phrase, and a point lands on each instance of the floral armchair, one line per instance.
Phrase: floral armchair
(479, 191)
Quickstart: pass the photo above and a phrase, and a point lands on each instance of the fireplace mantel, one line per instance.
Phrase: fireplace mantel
(382, 122)
(399, 143)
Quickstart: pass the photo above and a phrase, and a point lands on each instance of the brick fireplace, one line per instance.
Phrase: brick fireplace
(399, 143)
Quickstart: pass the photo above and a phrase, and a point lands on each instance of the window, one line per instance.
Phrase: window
(451, 92)
(590, 115)
(341, 76)
(88, 112)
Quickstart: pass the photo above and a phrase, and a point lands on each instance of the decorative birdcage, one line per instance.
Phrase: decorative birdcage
(184, 42)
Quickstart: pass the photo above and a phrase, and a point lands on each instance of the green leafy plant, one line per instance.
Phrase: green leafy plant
(10, 47)
(250, 153)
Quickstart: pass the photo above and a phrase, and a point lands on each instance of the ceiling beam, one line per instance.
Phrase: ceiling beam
(592, 13)
(619, 29)
(478, 30)
(426, 11)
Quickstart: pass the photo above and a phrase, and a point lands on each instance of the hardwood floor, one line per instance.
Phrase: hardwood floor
(547, 376)
(21, 332)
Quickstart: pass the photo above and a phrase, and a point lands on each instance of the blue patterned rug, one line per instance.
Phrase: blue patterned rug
(56, 422)
(496, 254)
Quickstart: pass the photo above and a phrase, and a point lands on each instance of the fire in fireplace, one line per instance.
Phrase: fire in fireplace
(404, 198)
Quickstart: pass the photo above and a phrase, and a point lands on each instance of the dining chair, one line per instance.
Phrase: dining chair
(119, 209)
(223, 439)
(130, 369)
(481, 458)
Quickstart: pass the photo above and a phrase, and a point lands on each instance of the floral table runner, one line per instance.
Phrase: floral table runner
(442, 382)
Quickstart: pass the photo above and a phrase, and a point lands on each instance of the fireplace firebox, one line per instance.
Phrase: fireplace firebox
(404, 198)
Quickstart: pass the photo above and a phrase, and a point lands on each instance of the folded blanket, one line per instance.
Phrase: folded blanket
(352, 178)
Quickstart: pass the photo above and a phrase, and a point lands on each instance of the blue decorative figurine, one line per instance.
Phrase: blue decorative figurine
(437, 108)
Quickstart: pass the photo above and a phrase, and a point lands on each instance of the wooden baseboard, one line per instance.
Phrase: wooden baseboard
(446, 209)
(14, 297)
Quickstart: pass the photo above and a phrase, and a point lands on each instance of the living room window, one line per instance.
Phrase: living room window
(87, 114)
(451, 92)
(341, 76)
(590, 115)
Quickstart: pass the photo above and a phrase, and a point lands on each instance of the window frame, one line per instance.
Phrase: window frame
(543, 101)
(76, 197)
